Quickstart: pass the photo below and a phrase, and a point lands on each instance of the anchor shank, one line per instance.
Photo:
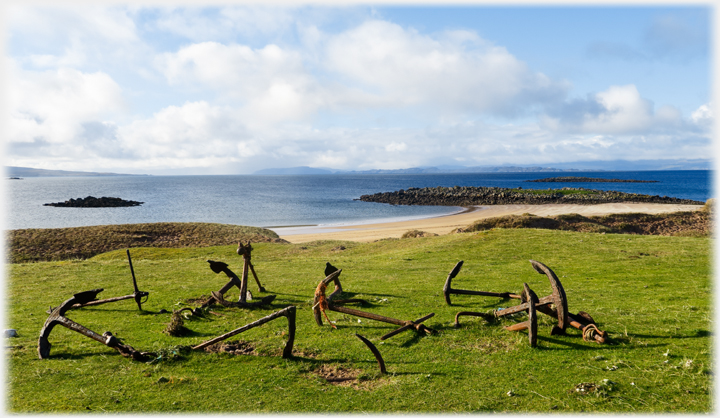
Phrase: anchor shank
(504, 295)
(70, 324)
(261, 321)
(101, 301)
(243, 282)
(367, 315)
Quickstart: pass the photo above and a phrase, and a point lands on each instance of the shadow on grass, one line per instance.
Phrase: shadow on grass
(700, 333)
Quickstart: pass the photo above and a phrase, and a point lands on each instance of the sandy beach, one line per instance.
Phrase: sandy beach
(445, 224)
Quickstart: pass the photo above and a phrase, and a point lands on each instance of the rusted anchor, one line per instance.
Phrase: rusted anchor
(245, 251)
(531, 323)
(557, 298)
(219, 266)
(448, 290)
(137, 294)
(288, 312)
(321, 303)
(530, 305)
(582, 321)
(57, 317)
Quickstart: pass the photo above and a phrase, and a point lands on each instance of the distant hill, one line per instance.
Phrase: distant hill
(293, 171)
(39, 172)
(413, 170)
(616, 165)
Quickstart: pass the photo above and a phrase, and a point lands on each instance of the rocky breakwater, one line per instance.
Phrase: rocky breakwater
(472, 196)
(94, 202)
(587, 180)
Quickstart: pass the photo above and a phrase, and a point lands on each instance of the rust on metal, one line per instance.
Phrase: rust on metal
(531, 323)
(245, 251)
(322, 303)
(557, 298)
(57, 317)
(376, 353)
(554, 305)
(245, 295)
(288, 312)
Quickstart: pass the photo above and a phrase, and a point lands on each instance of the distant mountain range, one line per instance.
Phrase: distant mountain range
(39, 172)
(616, 165)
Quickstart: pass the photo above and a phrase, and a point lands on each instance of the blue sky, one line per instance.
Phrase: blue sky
(232, 89)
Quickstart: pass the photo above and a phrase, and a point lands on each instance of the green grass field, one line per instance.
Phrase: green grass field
(651, 293)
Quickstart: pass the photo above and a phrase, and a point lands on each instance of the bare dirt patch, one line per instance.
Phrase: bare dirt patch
(347, 377)
(237, 348)
(337, 375)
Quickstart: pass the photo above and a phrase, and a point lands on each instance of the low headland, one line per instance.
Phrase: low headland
(573, 179)
(472, 196)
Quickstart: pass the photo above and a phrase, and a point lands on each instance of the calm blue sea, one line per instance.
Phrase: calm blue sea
(272, 201)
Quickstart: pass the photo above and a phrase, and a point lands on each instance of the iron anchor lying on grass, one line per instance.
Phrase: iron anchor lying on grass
(138, 295)
(530, 306)
(582, 321)
(288, 312)
(531, 323)
(321, 303)
(557, 297)
(57, 318)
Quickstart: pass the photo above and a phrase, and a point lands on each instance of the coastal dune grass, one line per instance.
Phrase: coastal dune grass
(696, 223)
(650, 293)
(55, 244)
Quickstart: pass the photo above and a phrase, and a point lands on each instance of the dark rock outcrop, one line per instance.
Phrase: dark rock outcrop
(94, 202)
(471, 196)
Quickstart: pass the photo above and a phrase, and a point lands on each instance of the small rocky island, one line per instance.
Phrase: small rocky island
(587, 180)
(94, 202)
(473, 196)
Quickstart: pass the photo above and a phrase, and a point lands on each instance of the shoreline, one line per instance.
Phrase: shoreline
(444, 224)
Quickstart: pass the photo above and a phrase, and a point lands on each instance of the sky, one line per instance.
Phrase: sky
(177, 88)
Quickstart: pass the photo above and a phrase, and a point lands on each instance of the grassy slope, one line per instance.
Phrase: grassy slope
(56, 244)
(651, 293)
(697, 223)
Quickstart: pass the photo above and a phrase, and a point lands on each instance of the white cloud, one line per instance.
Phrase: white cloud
(396, 146)
(270, 82)
(72, 36)
(193, 131)
(457, 70)
(703, 116)
(225, 23)
(619, 110)
(373, 95)
(52, 105)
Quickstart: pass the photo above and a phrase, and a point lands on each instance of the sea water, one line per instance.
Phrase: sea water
(274, 201)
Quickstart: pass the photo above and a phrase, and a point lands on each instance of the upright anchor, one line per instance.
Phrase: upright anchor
(138, 295)
(219, 296)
